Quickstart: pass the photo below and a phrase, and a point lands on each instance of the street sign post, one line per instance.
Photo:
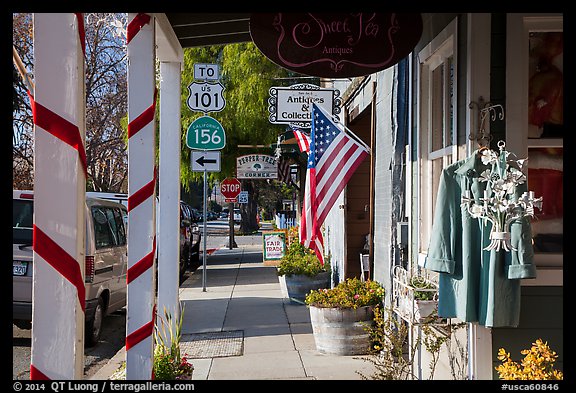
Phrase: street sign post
(206, 97)
(230, 188)
(208, 161)
(206, 133)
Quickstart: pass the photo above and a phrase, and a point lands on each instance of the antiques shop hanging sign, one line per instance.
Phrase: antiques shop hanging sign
(293, 105)
(336, 45)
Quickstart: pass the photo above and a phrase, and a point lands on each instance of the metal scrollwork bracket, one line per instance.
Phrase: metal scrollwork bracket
(485, 109)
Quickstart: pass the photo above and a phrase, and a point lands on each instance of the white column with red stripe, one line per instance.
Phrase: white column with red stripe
(141, 200)
(59, 197)
(169, 186)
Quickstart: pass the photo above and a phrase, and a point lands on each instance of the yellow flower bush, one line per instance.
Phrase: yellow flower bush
(351, 293)
(538, 363)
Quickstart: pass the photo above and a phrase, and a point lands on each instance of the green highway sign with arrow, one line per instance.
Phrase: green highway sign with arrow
(205, 133)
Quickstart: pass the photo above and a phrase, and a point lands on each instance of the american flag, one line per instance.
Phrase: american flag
(284, 170)
(303, 140)
(333, 158)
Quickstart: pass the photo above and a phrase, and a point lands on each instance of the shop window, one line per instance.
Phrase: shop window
(535, 111)
(545, 178)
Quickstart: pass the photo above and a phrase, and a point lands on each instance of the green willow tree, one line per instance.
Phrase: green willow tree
(247, 77)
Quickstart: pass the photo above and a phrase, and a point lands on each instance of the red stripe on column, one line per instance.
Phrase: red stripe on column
(143, 119)
(60, 260)
(142, 265)
(59, 127)
(137, 336)
(36, 374)
(81, 31)
(135, 25)
(142, 333)
(141, 195)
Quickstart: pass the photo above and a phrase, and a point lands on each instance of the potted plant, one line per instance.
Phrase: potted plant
(169, 363)
(339, 316)
(415, 296)
(302, 271)
(424, 293)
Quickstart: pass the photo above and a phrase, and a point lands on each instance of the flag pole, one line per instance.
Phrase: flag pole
(356, 137)
(22, 70)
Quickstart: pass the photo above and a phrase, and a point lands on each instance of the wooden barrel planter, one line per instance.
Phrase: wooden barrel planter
(341, 331)
(299, 285)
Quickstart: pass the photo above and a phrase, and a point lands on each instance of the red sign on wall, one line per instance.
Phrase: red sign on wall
(336, 45)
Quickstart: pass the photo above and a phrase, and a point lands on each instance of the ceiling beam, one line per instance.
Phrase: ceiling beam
(184, 19)
(215, 40)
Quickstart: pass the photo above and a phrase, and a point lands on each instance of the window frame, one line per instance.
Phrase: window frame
(115, 215)
(441, 51)
(519, 27)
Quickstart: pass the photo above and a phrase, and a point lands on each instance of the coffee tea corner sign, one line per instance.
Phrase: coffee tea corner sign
(336, 45)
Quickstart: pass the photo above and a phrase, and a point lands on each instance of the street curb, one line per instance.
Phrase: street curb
(109, 368)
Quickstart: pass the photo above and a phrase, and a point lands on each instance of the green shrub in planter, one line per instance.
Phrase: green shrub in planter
(300, 260)
(423, 289)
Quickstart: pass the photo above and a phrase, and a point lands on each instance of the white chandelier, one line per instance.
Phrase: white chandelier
(500, 205)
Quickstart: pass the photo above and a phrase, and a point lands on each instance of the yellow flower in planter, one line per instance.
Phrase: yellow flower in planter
(351, 293)
(538, 364)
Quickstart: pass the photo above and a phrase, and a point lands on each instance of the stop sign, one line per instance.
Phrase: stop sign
(230, 187)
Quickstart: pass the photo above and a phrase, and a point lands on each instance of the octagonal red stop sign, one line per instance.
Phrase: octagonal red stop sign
(230, 187)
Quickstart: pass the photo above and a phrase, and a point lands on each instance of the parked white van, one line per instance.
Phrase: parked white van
(105, 263)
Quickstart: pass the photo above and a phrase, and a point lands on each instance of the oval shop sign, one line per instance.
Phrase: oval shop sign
(336, 45)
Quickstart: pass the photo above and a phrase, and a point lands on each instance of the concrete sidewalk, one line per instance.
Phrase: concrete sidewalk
(242, 326)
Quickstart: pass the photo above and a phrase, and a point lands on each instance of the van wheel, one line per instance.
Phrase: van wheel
(94, 327)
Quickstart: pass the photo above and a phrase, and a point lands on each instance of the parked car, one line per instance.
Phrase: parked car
(189, 232)
(111, 196)
(196, 215)
(189, 239)
(105, 261)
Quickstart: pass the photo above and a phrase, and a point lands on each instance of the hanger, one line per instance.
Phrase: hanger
(483, 146)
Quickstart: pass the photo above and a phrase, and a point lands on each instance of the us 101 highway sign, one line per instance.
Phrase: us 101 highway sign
(206, 97)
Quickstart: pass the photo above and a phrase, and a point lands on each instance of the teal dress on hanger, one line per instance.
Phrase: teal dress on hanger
(476, 285)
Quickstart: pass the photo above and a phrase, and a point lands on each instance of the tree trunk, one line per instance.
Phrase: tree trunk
(249, 210)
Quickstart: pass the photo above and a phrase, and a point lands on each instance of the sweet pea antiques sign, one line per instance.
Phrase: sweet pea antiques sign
(292, 105)
(256, 166)
(336, 45)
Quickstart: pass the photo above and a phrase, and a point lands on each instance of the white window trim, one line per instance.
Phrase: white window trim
(444, 45)
(519, 27)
